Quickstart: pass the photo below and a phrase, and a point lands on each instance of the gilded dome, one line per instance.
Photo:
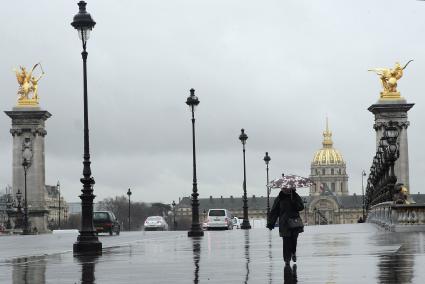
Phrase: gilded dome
(327, 155)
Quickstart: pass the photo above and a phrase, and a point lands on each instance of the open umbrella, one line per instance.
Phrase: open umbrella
(291, 181)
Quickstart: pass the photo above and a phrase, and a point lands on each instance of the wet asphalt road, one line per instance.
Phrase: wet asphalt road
(356, 253)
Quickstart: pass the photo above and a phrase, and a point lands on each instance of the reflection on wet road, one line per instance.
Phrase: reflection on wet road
(196, 257)
(326, 254)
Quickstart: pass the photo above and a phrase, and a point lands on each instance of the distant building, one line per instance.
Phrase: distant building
(329, 201)
(4, 203)
(57, 207)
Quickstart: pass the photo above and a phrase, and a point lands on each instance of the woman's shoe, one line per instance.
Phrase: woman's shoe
(294, 257)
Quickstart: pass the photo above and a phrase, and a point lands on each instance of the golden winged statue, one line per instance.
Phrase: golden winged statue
(28, 84)
(389, 78)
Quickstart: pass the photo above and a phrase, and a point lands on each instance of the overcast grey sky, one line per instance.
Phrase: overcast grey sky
(275, 68)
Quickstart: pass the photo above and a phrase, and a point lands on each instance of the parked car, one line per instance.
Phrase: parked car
(105, 222)
(155, 223)
(236, 222)
(219, 219)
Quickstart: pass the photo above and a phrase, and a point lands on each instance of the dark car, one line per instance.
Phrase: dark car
(105, 222)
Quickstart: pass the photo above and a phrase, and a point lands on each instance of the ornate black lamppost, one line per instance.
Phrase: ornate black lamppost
(267, 160)
(26, 229)
(363, 200)
(245, 223)
(87, 240)
(174, 214)
(129, 202)
(58, 186)
(196, 230)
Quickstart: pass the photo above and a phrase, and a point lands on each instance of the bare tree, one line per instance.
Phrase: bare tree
(139, 211)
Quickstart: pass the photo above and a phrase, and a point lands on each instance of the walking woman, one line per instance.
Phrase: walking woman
(286, 207)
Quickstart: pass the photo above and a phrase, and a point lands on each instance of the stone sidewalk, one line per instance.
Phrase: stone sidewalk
(357, 253)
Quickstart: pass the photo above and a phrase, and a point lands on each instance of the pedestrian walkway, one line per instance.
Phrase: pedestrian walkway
(358, 253)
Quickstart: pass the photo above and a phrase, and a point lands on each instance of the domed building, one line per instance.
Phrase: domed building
(328, 169)
(329, 201)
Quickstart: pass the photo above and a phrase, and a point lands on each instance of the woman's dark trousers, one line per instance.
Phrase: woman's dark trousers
(289, 246)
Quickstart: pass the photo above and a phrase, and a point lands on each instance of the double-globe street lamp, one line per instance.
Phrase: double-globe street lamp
(195, 230)
(87, 241)
(129, 203)
(245, 223)
(267, 160)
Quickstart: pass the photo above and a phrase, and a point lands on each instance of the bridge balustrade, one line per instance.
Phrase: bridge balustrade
(398, 217)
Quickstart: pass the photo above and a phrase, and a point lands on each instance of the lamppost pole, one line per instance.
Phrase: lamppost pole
(174, 214)
(19, 210)
(363, 203)
(245, 223)
(267, 160)
(59, 201)
(87, 241)
(25, 230)
(129, 202)
(195, 230)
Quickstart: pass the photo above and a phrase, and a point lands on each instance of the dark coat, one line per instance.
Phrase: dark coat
(286, 206)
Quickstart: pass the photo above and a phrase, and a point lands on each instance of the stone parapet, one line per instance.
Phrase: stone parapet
(398, 217)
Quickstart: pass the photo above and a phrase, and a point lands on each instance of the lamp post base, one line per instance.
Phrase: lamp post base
(87, 245)
(245, 225)
(195, 233)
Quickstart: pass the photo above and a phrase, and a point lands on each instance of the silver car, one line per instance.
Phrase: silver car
(155, 223)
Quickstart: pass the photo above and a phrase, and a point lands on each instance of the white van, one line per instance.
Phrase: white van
(219, 219)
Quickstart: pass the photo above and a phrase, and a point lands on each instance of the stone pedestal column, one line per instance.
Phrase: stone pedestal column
(28, 141)
(394, 110)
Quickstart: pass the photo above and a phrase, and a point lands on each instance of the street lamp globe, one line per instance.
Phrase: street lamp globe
(83, 22)
(129, 193)
(192, 101)
(243, 137)
(266, 158)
